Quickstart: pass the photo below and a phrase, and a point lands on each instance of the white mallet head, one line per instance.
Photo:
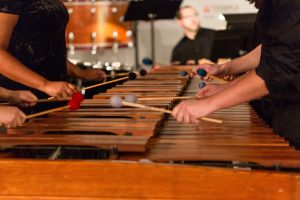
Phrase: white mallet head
(131, 98)
(116, 102)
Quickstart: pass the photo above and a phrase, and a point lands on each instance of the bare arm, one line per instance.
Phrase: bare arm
(15, 70)
(73, 70)
(85, 74)
(10, 66)
(245, 63)
(18, 97)
(246, 88)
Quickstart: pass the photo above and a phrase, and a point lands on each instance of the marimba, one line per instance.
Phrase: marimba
(134, 134)
(243, 137)
(77, 180)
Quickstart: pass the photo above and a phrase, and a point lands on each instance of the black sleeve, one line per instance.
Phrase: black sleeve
(11, 6)
(279, 65)
(175, 54)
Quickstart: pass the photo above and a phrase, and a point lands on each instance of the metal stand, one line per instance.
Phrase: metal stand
(152, 18)
(150, 10)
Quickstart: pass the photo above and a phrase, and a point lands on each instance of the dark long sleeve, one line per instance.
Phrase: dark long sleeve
(280, 58)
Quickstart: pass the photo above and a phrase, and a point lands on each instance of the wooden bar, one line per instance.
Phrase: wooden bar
(243, 136)
(66, 180)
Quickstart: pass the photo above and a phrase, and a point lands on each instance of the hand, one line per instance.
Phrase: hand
(11, 116)
(209, 90)
(211, 69)
(230, 77)
(205, 61)
(190, 62)
(93, 75)
(21, 98)
(191, 111)
(59, 89)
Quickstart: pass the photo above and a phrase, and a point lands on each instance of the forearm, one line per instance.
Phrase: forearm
(242, 64)
(15, 70)
(4, 93)
(74, 70)
(244, 89)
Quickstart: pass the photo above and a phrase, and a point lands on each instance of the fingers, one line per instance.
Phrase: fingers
(201, 93)
(207, 78)
(101, 74)
(182, 114)
(59, 89)
(16, 117)
(65, 90)
(211, 69)
(229, 77)
(72, 87)
(179, 112)
(21, 118)
(191, 62)
(94, 75)
(22, 98)
(190, 111)
(204, 92)
(28, 99)
(176, 110)
(186, 118)
(209, 90)
(203, 66)
(68, 90)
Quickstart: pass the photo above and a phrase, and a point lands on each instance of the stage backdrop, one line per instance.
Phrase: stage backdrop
(168, 32)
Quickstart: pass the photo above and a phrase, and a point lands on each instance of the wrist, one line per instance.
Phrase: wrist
(5, 94)
(213, 104)
(43, 85)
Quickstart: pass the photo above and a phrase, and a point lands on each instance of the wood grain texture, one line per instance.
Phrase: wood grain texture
(116, 180)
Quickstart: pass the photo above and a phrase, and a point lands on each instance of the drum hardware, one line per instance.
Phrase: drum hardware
(101, 17)
(71, 38)
(93, 10)
(70, 11)
(130, 43)
(115, 46)
(114, 10)
(94, 46)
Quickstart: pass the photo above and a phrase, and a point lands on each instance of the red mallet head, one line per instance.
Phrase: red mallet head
(74, 105)
(155, 68)
(78, 96)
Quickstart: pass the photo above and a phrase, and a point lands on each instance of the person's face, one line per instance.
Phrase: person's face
(189, 19)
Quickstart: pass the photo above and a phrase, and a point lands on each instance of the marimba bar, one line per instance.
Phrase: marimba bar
(139, 134)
